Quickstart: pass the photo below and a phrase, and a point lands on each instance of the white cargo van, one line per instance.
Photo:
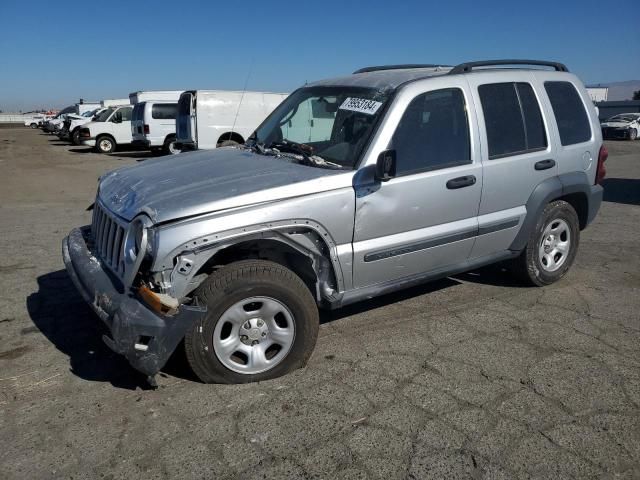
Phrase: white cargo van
(211, 118)
(108, 130)
(153, 126)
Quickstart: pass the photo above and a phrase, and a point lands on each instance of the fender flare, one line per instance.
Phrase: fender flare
(551, 189)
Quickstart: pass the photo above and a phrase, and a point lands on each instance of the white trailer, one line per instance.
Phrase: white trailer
(143, 96)
(212, 118)
(84, 107)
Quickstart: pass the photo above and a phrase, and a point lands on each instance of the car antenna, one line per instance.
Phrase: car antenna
(246, 82)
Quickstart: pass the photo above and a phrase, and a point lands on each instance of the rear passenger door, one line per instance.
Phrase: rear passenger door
(517, 153)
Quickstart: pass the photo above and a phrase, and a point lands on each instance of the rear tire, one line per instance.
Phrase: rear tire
(34, 126)
(105, 144)
(169, 147)
(552, 246)
(261, 323)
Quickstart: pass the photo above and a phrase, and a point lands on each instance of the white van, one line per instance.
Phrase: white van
(110, 129)
(153, 126)
(212, 118)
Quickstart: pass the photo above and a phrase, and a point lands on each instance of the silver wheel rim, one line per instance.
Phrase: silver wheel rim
(554, 245)
(105, 145)
(254, 335)
(172, 148)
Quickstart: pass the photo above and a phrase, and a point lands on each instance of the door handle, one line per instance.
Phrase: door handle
(461, 182)
(544, 164)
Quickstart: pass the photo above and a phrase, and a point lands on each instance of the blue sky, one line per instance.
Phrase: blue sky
(53, 53)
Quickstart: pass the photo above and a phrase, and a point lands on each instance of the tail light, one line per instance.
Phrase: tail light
(146, 129)
(601, 171)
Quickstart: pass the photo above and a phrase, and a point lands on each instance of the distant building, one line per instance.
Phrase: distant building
(598, 94)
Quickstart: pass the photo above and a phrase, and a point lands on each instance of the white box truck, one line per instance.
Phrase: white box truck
(143, 96)
(212, 118)
(114, 102)
(153, 124)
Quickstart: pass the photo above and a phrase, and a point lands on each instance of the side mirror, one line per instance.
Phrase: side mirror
(386, 165)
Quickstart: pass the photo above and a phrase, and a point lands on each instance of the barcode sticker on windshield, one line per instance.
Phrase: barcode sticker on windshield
(361, 105)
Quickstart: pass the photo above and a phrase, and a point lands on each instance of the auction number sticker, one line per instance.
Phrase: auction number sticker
(361, 105)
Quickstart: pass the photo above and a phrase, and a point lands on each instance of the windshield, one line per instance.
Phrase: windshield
(104, 115)
(89, 114)
(622, 118)
(333, 123)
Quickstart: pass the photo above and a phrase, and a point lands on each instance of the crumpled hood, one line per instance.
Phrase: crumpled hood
(205, 181)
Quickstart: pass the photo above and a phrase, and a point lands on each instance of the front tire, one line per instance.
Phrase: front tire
(105, 144)
(261, 323)
(552, 245)
(633, 134)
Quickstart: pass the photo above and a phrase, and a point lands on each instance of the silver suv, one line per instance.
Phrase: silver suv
(353, 187)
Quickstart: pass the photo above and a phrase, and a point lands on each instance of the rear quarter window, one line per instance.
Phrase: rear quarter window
(569, 111)
(164, 111)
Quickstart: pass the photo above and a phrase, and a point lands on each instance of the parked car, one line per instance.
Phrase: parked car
(153, 125)
(423, 172)
(212, 118)
(622, 126)
(110, 129)
(35, 121)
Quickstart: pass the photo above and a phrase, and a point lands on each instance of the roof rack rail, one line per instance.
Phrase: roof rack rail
(398, 67)
(469, 66)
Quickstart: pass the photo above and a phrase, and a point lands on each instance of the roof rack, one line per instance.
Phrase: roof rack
(469, 66)
(398, 67)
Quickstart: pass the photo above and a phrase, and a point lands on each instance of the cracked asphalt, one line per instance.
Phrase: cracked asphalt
(468, 377)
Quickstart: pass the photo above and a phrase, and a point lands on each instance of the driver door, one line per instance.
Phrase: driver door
(121, 120)
(425, 218)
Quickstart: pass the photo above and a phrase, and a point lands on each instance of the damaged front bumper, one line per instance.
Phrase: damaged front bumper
(147, 339)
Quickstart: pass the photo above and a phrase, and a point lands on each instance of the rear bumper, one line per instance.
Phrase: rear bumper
(145, 338)
(595, 199)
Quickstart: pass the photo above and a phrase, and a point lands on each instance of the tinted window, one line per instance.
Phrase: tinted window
(164, 111)
(569, 111)
(503, 119)
(536, 138)
(126, 113)
(513, 119)
(433, 133)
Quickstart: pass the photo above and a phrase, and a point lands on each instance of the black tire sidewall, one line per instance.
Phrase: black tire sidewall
(305, 316)
(100, 139)
(558, 210)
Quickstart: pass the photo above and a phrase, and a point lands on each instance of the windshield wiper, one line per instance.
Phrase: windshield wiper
(305, 151)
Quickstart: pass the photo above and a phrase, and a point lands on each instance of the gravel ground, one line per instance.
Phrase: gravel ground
(468, 377)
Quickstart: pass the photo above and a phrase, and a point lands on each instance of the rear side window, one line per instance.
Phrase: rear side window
(571, 117)
(164, 111)
(513, 119)
(433, 133)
